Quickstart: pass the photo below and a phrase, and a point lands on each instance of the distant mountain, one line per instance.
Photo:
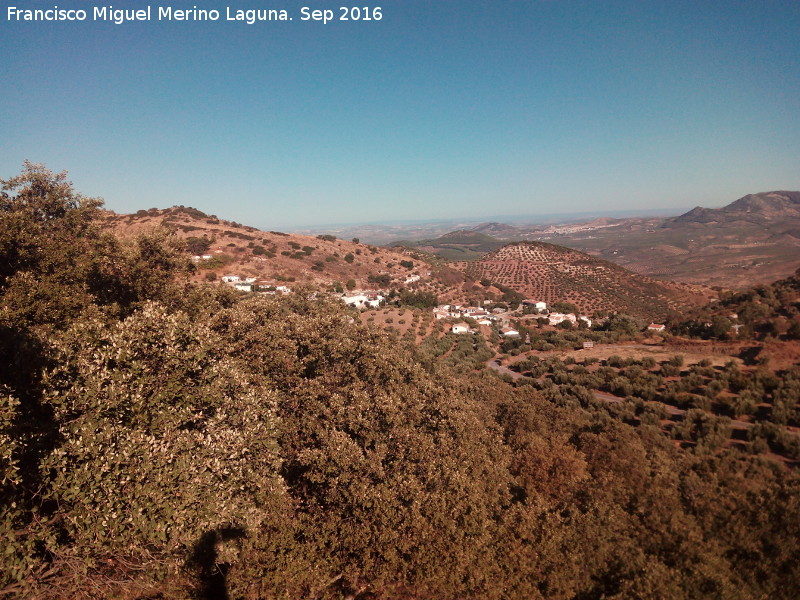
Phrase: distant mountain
(755, 239)
(697, 215)
(766, 206)
(464, 244)
(498, 230)
(549, 272)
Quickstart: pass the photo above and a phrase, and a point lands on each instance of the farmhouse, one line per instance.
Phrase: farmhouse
(444, 311)
(460, 328)
(370, 299)
(656, 327)
(555, 318)
(537, 304)
(509, 332)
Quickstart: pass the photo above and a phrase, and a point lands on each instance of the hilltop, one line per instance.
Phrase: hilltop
(755, 239)
(221, 247)
(464, 244)
(760, 208)
(550, 273)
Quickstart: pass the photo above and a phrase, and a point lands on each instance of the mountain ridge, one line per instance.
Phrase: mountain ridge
(763, 205)
(754, 239)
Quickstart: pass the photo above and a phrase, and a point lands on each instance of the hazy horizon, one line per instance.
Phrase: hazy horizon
(435, 111)
(523, 219)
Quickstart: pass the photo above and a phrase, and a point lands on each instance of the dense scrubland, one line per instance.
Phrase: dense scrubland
(761, 312)
(161, 439)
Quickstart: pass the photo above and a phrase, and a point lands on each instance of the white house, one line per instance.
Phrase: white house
(243, 286)
(363, 300)
(537, 304)
(656, 327)
(444, 311)
(230, 278)
(460, 328)
(509, 332)
(555, 318)
(358, 300)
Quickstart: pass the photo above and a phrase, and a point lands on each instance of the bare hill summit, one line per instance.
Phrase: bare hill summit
(766, 206)
(222, 247)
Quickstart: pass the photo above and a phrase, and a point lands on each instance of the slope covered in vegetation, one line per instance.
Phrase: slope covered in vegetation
(554, 273)
(166, 439)
(273, 258)
(760, 312)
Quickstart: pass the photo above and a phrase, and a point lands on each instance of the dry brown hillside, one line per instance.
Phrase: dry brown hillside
(277, 258)
(553, 273)
(755, 239)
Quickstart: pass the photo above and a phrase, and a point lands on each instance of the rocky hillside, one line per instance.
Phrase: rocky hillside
(766, 206)
(755, 239)
(553, 273)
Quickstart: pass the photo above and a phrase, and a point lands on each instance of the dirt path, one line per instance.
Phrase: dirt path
(634, 350)
(493, 363)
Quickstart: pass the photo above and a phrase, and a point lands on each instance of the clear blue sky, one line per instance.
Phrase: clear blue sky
(442, 108)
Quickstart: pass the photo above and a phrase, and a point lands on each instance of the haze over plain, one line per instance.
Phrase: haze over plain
(436, 110)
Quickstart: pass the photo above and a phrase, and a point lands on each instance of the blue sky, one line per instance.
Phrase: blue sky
(440, 109)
